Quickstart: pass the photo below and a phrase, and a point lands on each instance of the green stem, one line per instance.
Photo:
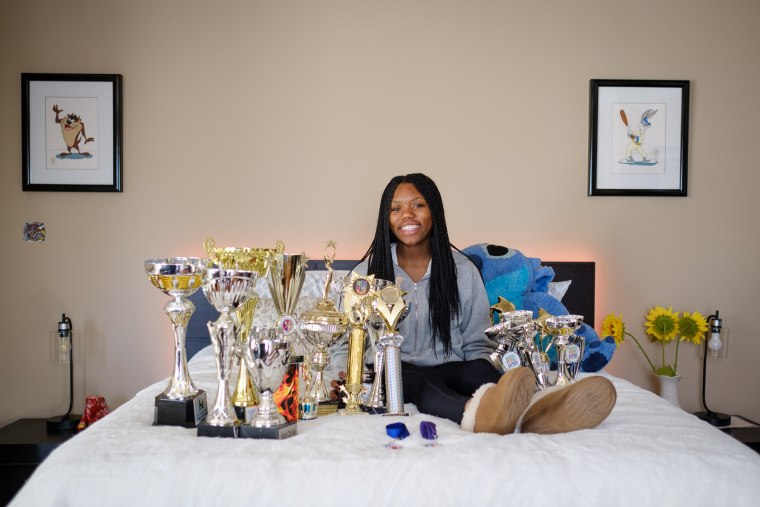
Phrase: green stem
(654, 370)
(675, 363)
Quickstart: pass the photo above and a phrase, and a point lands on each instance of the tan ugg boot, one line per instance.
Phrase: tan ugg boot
(495, 408)
(579, 406)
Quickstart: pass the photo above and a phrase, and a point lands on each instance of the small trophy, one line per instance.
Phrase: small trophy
(322, 327)
(268, 353)
(244, 398)
(391, 307)
(357, 297)
(513, 335)
(181, 403)
(563, 328)
(227, 290)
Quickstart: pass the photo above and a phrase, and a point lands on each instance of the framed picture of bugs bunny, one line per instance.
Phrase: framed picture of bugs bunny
(71, 132)
(638, 137)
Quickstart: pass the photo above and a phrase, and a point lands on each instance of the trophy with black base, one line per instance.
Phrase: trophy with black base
(244, 397)
(268, 354)
(181, 403)
(226, 290)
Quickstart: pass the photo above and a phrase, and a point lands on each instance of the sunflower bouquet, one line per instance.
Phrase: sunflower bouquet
(662, 325)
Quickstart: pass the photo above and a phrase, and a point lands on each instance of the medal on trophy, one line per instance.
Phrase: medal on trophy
(322, 327)
(268, 353)
(245, 397)
(181, 403)
(285, 275)
(227, 290)
(357, 296)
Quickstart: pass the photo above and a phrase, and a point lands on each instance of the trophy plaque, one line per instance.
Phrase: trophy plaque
(245, 397)
(181, 403)
(268, 353)
(227, 290)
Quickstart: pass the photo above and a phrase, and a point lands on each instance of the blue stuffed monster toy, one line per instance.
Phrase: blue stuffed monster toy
(525, 283)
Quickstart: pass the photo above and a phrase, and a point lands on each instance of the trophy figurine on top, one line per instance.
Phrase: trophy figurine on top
(322, 327)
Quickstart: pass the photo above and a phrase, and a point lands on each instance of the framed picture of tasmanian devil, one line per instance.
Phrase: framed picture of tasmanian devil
(71, 132)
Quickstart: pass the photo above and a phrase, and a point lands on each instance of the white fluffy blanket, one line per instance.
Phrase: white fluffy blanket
(646, 453)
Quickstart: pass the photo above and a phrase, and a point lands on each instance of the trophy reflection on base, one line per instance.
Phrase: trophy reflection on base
(181, 403)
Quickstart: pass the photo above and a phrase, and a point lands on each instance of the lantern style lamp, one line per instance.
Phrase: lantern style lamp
(712, 346)
(64, 353)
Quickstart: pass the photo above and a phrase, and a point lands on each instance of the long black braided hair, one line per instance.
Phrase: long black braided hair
(444, 291)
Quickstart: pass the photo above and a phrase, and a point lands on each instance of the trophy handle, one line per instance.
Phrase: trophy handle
(208, 245)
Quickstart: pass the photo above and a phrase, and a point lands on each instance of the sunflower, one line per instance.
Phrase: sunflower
(615, 327)
(662, 324)
(692, 327)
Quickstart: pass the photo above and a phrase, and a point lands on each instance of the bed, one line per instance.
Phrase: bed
(647, 452)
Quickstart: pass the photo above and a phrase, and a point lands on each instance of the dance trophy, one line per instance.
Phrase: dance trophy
(357, 298)
(181, 403)
(227, 290)
(391, 307)
(562, 328)
(245, 397)
(321, 327)
(268, 353)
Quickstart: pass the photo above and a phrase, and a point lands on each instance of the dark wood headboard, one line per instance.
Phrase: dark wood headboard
(579, 299)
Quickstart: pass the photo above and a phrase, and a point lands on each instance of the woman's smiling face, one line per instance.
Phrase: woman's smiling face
(410, 218)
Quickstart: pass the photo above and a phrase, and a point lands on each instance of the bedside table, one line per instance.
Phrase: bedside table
(745, 431)
(24, 444)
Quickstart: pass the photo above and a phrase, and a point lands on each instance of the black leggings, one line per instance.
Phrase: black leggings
(444, 390)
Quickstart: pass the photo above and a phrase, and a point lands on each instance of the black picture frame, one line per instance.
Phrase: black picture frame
(649, 158)
(71, 132)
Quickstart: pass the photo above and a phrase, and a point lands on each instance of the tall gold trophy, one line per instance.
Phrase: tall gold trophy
(357, 305)
(322, 326)
(245, 398)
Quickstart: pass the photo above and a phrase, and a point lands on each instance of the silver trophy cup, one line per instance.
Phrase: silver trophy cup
(181, 403)
(268, 354)
(563, 328)
(226, 290)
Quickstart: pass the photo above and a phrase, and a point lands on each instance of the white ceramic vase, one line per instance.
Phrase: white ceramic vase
(669, 388)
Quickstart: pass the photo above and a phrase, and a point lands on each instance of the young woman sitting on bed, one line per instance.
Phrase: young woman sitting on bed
(446, 369)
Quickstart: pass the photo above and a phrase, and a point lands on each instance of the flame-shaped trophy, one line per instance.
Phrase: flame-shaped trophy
(181, 403)
(357, 297)
(391, 307)
(322, 327)
(245, 397)
(268, 353)
(563, 328)
(227, 290)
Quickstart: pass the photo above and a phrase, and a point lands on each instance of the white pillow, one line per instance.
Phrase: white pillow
(559, 289)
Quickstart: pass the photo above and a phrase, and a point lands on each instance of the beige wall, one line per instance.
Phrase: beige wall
(255, 121)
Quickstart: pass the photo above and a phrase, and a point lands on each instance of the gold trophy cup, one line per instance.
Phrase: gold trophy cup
(245, 398)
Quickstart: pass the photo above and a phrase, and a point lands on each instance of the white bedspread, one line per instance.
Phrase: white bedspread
(646, 453)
